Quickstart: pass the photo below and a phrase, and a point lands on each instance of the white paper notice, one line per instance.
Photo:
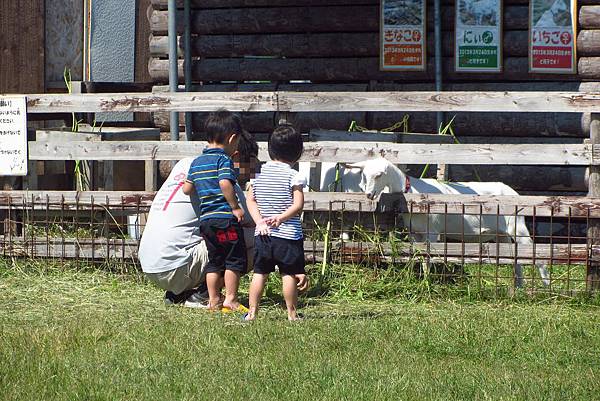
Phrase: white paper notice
(13, 135)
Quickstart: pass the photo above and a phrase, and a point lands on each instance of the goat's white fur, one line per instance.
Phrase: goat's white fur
(548, 18)
(379, 175)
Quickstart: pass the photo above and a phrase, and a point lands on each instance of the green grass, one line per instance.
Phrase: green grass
(72, 333)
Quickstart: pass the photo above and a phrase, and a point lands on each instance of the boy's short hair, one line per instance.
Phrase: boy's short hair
(220, 124)
(285, 143)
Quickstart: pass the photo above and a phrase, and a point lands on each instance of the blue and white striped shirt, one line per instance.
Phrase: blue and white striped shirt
(212, 166)
(272, 190)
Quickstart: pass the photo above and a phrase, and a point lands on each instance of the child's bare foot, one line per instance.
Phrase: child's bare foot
(216, 305)
(249, 317)
(293, 317)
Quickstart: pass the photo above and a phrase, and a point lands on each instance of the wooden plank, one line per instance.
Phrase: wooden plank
(490, 253)
(439, 101)
(354, 18)
(589, 17)
(492, 124)
(563, 179)
(353, 69)
(152, 102)
(150, 175)
(316, 135)
(162, 4)
(588, 42)
(343, 44)
(557, 206)
(593, 268)
(142, 33)
(588, 67)
(22, 45)
(542, 154)
(358, 17)
(71, 248)
(319, 101)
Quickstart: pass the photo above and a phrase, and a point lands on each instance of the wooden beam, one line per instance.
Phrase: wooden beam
(342, 44)
(593, 270)
(574, 102)
(125, 250)
(589, 17)
(523, 154)
(563, 206)
(326, 69)
(326, 18)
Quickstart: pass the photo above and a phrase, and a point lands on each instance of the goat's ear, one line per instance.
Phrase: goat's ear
(358, 165)
(378, 174)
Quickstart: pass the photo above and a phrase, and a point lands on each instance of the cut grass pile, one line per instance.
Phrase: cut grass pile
(73, 333)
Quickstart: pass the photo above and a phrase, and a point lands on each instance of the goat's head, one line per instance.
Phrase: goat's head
(373, 178)
(558, 7)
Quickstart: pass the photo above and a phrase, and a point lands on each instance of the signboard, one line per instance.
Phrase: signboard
(552, 36)
(478, 34)
(402, 36)
(13, 135)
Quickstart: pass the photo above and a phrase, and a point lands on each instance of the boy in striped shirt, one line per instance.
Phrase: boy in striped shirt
(275, 201)
(212, 177)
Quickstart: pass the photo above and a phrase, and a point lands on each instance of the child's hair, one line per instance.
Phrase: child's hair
(285, 144)
(220, 124)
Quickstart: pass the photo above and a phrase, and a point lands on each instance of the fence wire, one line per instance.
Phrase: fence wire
(471, 246)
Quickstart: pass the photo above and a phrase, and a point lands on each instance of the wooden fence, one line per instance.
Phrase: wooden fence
(586, 154)
(334, 45)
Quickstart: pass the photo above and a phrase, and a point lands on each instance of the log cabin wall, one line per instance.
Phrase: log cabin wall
(334, 45)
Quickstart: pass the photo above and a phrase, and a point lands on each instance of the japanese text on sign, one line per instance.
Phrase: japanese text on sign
(551, 36)
(13, 136)
(402, 35)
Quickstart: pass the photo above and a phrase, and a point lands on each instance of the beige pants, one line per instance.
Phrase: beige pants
(187, 277)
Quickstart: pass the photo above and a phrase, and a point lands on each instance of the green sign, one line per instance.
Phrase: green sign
(478, 36)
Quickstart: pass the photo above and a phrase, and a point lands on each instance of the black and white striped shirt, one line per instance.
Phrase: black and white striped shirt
(272, 190)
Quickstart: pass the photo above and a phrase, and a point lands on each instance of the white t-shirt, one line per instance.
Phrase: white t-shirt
(272, 190)
(172, 230)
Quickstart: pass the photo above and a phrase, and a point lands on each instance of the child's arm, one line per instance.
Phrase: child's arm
(231, 198)
(295, 209)
(188, 187)
(261, 225)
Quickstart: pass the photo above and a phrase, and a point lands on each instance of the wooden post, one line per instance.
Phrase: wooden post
(30, 181)
(593, 269)
(151, 175)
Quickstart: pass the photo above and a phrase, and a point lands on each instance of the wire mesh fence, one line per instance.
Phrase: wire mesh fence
(494, 248)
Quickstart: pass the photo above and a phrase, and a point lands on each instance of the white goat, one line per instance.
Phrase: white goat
(553, 15)
(348, 180)
(482, 10)
(379, 175)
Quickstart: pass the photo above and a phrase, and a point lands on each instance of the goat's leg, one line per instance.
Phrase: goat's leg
(523, 237)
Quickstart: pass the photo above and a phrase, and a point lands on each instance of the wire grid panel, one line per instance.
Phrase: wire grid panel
(446, 244)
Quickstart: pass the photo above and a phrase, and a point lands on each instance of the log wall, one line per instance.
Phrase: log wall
(334, 44)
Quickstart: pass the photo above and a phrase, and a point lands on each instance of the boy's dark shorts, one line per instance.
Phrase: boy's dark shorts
(225, 243)
(269, 252)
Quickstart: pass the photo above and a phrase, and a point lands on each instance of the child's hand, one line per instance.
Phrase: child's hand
(238, 213)
(302, 284)
(275, 221)
(263, 228)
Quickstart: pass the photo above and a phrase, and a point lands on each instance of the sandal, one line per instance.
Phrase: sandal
(241, 308)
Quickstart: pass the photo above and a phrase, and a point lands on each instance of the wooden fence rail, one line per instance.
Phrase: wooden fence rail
(564, 206)
(525, 154)
(572, 102)
(126, 250)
